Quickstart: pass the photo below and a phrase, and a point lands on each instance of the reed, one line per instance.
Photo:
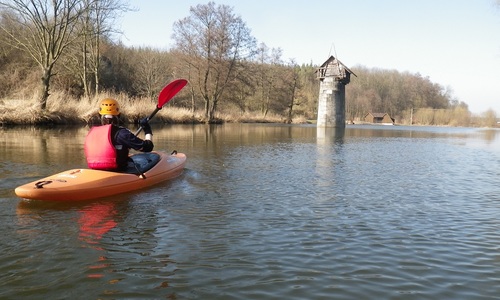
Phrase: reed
(64, 109)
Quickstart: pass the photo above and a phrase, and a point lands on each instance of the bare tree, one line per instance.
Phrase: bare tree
(152, 71)
(44, 30)
(263, 76)
(216, 44)
(102, 14)
(271, 85)
(293, 78)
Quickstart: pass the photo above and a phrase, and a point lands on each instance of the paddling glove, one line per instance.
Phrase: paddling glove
(145, 126)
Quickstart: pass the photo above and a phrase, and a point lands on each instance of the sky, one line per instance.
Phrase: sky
(455, 43)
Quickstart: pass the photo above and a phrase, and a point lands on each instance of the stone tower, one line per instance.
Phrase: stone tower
(333, 76)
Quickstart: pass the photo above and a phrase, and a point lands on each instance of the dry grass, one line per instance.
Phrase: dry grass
(62, 109)
(236, 116)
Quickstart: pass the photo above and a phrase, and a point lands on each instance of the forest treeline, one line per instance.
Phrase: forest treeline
(67, 52)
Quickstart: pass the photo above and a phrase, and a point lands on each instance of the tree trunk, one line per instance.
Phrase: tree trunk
(193, 104)
(42, 102)
(97, 65)
(207, 108)
(290, 106)
(265, 109)
(289, 115)
(213, 109)
(86, 90)
(292, 96)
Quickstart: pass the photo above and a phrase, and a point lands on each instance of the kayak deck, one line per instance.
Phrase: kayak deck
(85, 184)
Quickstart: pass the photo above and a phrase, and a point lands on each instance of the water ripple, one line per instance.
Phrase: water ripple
(274, 213)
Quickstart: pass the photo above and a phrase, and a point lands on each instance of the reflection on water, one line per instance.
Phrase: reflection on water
(95, 220)
(328, 136)
(264, 212)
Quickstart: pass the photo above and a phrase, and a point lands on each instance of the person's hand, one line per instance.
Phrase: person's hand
(144, 123)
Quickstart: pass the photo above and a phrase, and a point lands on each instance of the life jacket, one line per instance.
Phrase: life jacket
(99, 149)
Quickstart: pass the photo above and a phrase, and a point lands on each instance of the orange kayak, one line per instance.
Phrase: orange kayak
(83, 184)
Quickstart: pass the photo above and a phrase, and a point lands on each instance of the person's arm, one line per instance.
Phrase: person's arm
(147, 145)
(128, 139)
(148, 133)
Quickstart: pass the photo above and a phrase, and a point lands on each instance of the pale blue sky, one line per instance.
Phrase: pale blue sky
(456, 43)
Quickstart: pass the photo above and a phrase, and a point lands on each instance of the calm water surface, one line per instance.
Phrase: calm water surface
(263, 212)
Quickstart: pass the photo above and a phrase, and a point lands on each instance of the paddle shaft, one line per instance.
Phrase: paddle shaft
(167, 93)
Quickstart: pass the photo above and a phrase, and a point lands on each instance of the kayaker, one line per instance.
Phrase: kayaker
(107, 146)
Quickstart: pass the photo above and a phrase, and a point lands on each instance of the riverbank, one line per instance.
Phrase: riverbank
(71, 112)
(63, 111)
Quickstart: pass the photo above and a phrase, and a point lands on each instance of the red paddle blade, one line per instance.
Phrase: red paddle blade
(169, 91)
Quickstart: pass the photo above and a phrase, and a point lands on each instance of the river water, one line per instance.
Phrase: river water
(263, 212)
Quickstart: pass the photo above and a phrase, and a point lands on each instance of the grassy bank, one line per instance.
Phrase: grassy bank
(63, 110)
